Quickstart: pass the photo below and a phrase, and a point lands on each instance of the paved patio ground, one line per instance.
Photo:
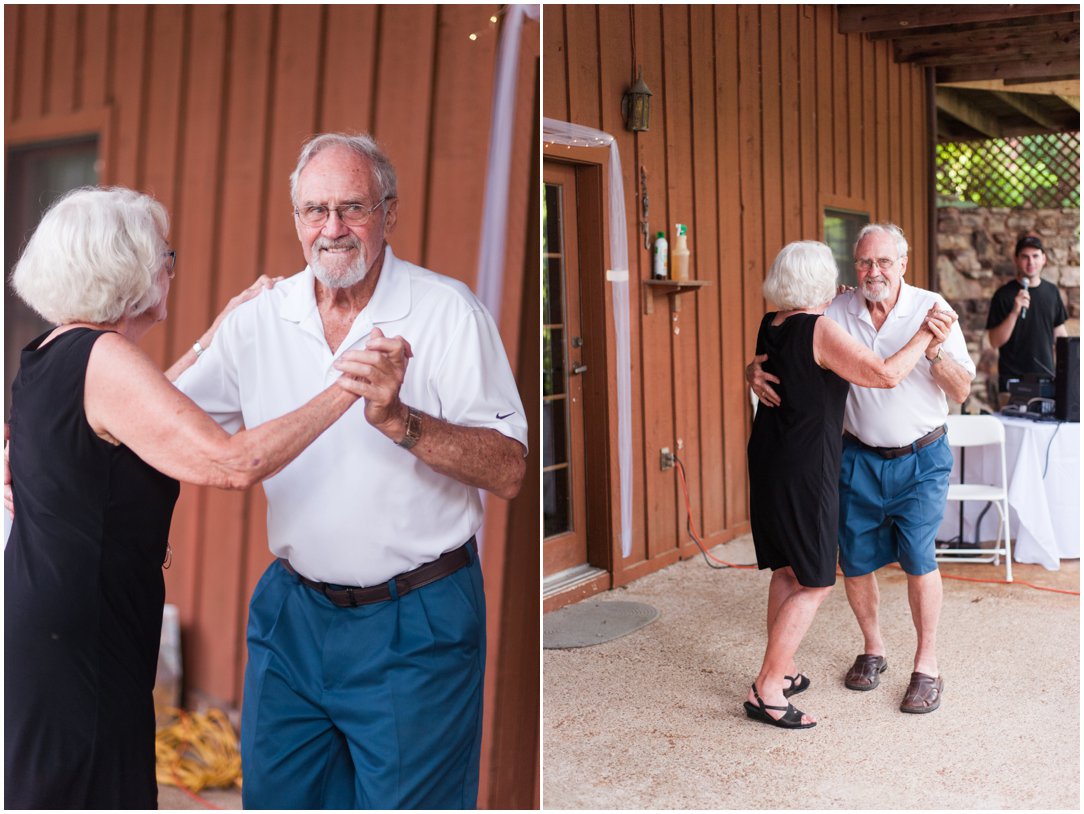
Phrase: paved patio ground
(171, 798)
(655, 719)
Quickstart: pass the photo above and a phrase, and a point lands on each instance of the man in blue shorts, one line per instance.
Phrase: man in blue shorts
(896, 460)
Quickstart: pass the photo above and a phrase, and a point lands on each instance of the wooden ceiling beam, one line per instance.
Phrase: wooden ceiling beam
(955, 104)
(1021, 103)
(1067, 76)
(995, 53)
(1040, 21)
(1010, 70)
(865, 19)
(959, 46)
(1072, 101)
(1070, 88)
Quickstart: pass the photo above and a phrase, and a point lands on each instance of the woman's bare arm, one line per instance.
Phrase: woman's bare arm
(129, 401)
(835, 349)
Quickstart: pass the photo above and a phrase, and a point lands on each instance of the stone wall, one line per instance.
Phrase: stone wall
(975, 248)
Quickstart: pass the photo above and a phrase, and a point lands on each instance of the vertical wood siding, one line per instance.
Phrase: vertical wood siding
(761, 116)
(206, 107)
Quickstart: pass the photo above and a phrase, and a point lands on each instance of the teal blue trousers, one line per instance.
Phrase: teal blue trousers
(375, 707)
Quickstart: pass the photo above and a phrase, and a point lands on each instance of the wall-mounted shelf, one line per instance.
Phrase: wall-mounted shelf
(671, 288)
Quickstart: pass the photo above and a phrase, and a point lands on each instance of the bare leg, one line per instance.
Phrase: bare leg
(924, 596)
(792, 620)
(782, 586)
(865, 599)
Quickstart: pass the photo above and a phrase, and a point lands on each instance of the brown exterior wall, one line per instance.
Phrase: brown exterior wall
(761, 117)
(205, 107)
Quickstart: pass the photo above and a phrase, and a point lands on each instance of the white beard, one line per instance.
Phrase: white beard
(877, 292)
(350, 276)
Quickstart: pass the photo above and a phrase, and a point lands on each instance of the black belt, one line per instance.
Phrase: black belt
(345, 596)
(888, 453)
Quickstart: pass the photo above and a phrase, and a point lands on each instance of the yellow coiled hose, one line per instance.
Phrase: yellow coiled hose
(197, 750)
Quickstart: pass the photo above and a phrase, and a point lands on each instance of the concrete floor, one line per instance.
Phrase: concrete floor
(655, 719)
(171, 798)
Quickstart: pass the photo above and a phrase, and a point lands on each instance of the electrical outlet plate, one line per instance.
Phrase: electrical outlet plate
(666, 459)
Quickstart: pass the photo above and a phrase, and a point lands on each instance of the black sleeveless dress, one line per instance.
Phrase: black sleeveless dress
(83, 596)
(794, 455)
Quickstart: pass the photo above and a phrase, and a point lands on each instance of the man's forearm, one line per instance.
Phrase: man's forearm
(999, 334)
(476, 456)
(953, 379)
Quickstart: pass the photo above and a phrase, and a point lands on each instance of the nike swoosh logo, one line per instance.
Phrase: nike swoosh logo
(503, 417)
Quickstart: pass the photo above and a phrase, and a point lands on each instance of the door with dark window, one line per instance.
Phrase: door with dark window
(564, 498)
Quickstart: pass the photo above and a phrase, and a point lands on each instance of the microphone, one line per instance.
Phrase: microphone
(1024, 310)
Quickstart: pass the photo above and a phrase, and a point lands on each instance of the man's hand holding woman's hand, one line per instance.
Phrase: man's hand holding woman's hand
(376, 374)
(939, 324)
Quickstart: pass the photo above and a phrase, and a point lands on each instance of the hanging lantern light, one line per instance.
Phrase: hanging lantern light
(636, 104)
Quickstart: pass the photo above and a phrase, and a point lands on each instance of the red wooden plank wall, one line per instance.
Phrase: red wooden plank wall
(761, 116)
(206, 107)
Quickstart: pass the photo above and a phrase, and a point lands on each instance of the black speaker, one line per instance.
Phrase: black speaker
(1067, 381)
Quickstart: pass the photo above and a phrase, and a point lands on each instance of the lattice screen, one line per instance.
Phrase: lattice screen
(1042, 171)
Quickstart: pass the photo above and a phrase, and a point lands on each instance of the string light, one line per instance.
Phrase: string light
(493, 19)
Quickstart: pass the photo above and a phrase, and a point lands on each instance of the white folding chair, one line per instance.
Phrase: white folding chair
(978, 431)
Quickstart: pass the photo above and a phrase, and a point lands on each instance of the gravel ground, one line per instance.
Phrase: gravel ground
(655, 719)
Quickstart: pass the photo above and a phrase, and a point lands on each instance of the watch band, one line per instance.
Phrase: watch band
(413, 429)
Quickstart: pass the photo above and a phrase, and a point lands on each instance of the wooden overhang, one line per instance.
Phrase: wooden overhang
(999, 71)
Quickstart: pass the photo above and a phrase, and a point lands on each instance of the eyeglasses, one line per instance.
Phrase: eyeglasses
(352, 214)
(171, 262)
(883, 263)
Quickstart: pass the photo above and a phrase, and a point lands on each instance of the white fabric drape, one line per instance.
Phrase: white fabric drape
(498, 171)
(558, 132)
(495, 212)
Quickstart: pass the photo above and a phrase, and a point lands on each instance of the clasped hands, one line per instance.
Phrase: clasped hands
(938, 323)
(376, 374)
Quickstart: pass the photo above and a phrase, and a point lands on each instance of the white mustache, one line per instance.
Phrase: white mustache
(340, 243)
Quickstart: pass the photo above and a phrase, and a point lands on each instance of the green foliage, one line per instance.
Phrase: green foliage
(1041, 171)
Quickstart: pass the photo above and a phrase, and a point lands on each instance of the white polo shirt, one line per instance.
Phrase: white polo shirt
(897, 416)
(354, 508)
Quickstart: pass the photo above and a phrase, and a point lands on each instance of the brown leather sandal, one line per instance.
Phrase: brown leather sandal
(865, 673)
(923, 694)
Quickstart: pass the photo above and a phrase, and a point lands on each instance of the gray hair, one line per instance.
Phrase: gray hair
(362, 145)
(803, 275)
(890, 229)
(94, 257)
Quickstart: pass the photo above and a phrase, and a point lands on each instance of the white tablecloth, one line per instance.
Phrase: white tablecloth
(1043, 462)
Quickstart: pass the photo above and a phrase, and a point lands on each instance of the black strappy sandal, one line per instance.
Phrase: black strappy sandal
(798, 683)
(791, 719)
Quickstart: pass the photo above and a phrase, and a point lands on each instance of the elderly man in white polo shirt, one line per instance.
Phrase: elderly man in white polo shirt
(366, 638)
(896, 460)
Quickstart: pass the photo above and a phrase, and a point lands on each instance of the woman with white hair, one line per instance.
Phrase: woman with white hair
(99, 439)
(794, 459)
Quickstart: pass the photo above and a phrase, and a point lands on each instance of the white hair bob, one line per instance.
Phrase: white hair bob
(364, 146)
(94, 257)
(803, 275)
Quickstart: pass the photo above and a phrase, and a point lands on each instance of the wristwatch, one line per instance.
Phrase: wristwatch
(936, 360)
(413, 429)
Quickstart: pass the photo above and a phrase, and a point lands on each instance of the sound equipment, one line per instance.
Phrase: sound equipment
(1067, 380)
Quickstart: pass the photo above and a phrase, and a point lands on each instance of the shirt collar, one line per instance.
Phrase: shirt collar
(904, 307)
(390, 300)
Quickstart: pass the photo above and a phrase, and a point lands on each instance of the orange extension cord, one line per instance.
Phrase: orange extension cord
(699, 543)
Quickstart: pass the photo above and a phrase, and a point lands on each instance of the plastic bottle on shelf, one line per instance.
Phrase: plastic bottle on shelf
(661, 258)
(679, 265)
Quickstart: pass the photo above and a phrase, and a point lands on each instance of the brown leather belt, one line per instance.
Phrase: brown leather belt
(345, 596)
(888, 453)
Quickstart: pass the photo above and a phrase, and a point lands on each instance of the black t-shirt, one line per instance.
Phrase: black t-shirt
(1029, 350)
